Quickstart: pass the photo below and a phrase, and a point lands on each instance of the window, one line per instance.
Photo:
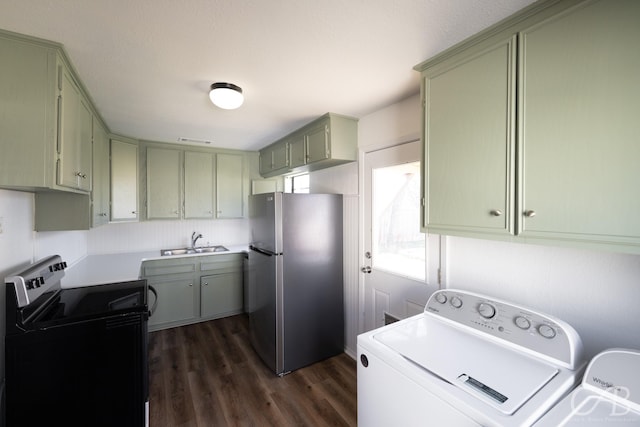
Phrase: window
(297, 184)
(398, 245)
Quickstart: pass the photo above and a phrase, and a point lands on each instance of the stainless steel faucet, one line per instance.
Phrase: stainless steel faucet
(194, 238)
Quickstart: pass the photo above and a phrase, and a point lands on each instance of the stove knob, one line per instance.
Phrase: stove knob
(456, 302)
(441, 298)
(486, 310)
(546, 331)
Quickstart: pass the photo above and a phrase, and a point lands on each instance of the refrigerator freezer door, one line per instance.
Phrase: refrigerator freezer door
(264, 317)
(266, 225)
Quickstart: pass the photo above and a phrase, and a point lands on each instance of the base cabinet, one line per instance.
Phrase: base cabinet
(194, 289)
(176, 302)
(221, 294)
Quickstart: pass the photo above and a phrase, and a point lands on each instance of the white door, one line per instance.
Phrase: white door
(394, 267)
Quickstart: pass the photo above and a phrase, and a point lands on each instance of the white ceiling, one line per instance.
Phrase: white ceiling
(148, 64)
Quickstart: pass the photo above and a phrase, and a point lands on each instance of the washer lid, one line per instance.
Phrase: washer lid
(495, 374)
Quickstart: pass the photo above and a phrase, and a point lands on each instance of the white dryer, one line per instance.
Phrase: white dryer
(609, 394)
(467, 360)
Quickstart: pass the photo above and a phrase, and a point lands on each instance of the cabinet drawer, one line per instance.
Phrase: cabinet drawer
(162, 269)
(221, 263)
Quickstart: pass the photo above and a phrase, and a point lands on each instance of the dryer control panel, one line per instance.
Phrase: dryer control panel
(514, 325)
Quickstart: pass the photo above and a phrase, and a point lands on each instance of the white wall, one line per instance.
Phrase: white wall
(156, 235)
(595, 292)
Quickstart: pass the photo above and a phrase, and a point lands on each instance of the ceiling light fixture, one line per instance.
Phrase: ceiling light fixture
(226, 95)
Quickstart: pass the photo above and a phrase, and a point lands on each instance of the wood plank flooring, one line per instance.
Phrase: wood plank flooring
(208, 374)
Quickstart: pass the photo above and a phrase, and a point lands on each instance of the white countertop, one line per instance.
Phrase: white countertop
(111, 268)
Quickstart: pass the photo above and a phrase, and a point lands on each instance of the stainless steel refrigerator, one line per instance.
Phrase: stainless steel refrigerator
(295, 289)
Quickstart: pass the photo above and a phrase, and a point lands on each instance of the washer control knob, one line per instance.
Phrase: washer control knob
(546, 331)
(486, 310)
(441, 298)
(522, 322)
(456, 302)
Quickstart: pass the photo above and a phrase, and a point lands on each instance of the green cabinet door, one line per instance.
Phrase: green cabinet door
(229, 186)
(317, 139)
(74, 134)
(221, 294)
(580, 145)
(163, 183)
(28, 94)
(124, 181)
(280, 156)
(100, 175)
(298, 150)
(266, 161)
(199, 169)
(176, 301)
(469, 116)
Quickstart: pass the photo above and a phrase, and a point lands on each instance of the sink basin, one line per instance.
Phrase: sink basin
(198, 250)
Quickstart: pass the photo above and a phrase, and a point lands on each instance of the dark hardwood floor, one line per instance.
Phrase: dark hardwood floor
(208, 374)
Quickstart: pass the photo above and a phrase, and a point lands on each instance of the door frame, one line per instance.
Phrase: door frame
(436, 244)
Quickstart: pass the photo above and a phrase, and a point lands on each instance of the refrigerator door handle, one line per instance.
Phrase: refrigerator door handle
(262, 251)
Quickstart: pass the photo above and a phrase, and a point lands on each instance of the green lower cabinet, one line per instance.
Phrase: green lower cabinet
(176, 302)
(221, 295)
(193, 289)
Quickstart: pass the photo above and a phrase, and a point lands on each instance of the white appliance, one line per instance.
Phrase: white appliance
(609, 394)
(467, 360)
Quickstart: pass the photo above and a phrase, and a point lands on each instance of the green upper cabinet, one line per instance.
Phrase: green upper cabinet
(164, 183)
(468, 138)
(230, 192)
(554, 160)
(100, 193)
(580, 144)
(193, 183)
(45, 119)
(328, 141)
(199, 172)
(74, 134)
(124, 180)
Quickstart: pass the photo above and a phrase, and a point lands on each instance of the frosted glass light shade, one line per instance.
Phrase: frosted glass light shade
(226, 95)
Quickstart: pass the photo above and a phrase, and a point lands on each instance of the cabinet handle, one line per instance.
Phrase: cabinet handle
(206, 284)
(81, 175)
(190, 284)
(134, 212)
(529, 214)
(495, 212)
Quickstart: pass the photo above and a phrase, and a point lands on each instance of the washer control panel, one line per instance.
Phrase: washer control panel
(528, 329)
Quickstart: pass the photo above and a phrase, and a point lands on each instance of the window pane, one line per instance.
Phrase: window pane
(398, 244)
(300, 183)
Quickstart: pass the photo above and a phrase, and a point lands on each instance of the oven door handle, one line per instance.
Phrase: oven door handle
(155, 303)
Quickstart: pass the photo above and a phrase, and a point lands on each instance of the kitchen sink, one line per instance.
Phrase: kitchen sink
(198, 250)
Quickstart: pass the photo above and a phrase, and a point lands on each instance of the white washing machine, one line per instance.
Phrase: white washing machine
(467, 360)
(609, 394)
